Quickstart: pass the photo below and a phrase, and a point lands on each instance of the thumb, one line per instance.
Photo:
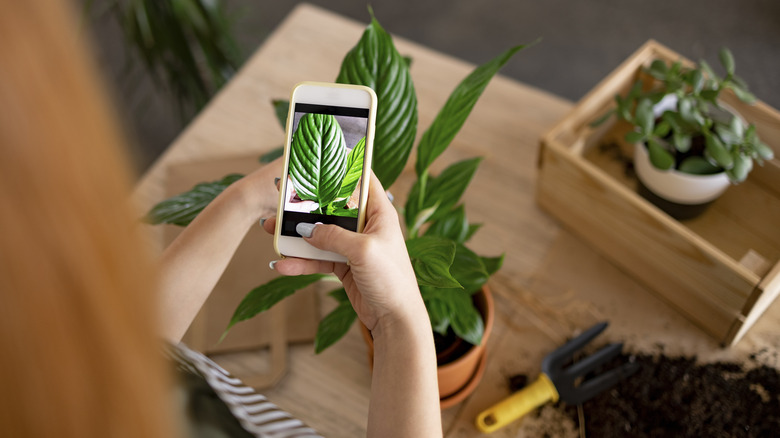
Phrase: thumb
(331, 238)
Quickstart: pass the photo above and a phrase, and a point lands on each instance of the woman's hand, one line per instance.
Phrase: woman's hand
(379, 278)
(382, 287)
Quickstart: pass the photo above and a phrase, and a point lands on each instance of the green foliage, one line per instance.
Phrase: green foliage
(375, 62)
(187, 46)
(431, 259)
(436, 224)
(334, 326)
(697, 114)
(183, 208)
(264, 297)
(455, 111)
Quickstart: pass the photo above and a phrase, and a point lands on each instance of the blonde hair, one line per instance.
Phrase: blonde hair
(78, 332)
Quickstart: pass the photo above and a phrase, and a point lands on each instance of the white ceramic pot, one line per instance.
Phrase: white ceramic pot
(675, 186)
(672, 190)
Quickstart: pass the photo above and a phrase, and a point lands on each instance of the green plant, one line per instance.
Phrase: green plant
(437, 229)
(698, 135)
(186, 46)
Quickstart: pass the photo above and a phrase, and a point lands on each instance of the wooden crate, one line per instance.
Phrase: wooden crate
(720, 269)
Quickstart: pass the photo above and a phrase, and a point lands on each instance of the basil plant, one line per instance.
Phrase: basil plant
(437, 228)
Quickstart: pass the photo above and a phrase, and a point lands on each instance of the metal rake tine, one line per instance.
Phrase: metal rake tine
(553, 361)
(594, 386)
(594, 360)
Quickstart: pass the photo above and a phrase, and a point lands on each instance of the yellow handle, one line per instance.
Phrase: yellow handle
(517, 405)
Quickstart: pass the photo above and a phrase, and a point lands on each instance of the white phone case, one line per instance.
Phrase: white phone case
(343, 101)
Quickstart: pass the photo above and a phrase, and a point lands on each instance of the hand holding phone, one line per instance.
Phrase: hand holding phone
(327, 163)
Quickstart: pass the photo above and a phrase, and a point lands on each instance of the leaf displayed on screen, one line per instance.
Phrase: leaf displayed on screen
(318, 158)
(354, 169)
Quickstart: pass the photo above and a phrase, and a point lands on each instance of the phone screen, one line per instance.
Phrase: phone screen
(327, 152)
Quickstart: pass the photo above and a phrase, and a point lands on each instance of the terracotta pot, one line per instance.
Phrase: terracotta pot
(459, 377)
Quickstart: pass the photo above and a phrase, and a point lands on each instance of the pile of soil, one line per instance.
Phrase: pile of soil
(676, 396)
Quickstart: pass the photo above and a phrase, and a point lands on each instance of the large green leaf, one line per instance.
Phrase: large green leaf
(457, 108)
(183, 208)
(264, 297)
(375, 62)
(318, 158)
(354, 169)
(431, 259)
(334, 326)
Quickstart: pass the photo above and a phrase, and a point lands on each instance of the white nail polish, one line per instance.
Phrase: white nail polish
(262, 221)
(272, 265)
(304, 229)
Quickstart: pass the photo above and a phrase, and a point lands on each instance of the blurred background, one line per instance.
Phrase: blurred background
(582, 41)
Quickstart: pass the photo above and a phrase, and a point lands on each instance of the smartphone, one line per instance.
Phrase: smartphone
(327, 163)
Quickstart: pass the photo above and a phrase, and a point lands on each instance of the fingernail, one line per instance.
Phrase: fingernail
(305, 229)
(276, 181)
(272, 265)
(262, 221)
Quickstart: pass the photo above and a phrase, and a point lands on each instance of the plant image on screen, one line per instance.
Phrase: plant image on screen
(321, 169)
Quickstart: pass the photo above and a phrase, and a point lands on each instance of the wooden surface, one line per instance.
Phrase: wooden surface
(552, 283)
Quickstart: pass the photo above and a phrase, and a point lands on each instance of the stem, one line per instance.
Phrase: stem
(414, 228)
(423, 183)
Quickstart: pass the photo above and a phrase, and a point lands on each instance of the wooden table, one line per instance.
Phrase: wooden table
(551, 284)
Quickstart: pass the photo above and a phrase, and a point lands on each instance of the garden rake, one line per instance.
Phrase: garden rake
(556, 382)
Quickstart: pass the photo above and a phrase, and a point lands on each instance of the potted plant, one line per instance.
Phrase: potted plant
(451, 276)
(689, 145)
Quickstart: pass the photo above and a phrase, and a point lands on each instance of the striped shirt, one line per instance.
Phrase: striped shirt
(216, 404)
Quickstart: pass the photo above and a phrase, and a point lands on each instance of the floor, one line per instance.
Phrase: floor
(581, 42)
